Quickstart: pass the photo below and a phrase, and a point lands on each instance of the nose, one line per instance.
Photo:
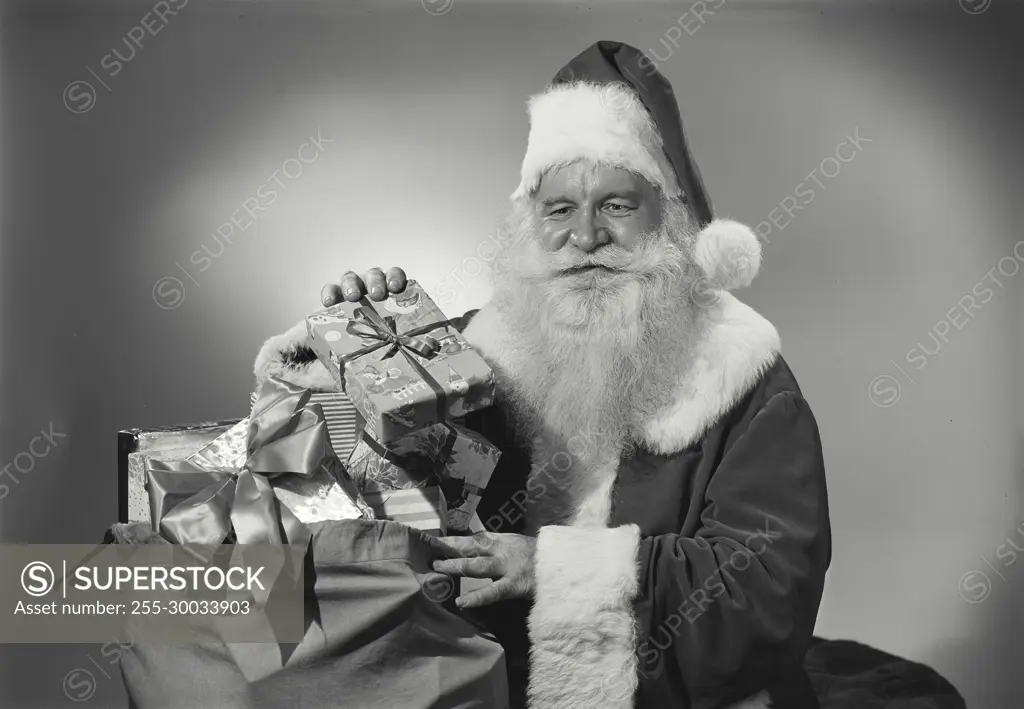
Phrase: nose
(588, 234)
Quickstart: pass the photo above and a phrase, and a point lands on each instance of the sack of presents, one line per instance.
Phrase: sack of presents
(403, 378)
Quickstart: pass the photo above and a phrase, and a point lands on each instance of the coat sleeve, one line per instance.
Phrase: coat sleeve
(717, 616)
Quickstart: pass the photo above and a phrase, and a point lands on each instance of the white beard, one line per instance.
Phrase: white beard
(590, 357)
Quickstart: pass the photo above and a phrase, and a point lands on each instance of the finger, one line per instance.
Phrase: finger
(477, 567)
(352, 287)
(442, 550)
(489, 542)
(461, 546)
(448, 547)
(500, 590)
(375, 286)
(396, 279)
(331, 294)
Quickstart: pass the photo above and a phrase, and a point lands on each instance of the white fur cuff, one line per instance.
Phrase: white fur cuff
(581, 627)
(274, 360)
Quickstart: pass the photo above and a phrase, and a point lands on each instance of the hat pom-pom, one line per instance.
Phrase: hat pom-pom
(729, 253)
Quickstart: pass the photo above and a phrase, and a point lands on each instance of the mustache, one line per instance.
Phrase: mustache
(613, 258)
(648, 257)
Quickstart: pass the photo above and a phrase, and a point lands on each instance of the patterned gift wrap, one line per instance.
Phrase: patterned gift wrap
(400, 361)
(421, 508)
(169, 442)
(457, 460)
(327, 495)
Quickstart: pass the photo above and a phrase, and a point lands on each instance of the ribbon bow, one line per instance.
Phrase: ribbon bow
(368, 324)
(193, 505)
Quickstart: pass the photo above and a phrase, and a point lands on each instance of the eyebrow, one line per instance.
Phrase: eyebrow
(632, 195)
(614, 194)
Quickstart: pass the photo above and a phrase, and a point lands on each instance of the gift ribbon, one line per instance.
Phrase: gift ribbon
(193, 505)
(368, 324)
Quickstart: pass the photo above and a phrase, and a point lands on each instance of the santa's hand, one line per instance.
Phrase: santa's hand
(506, 558)
(374, 284)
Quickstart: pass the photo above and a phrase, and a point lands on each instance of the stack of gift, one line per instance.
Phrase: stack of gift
(410, 373)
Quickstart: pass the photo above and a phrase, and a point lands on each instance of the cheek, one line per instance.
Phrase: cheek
(626, 235)
(628, 232)
(554, 235)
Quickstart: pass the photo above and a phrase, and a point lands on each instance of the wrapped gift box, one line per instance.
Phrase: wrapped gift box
(168, 442)
(422, 508)
(402, 364)
(327, 495)
(457, 460)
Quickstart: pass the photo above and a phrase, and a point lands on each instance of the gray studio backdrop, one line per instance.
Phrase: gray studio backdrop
(144, 258)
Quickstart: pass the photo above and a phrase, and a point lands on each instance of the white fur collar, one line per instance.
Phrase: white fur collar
(737, 346)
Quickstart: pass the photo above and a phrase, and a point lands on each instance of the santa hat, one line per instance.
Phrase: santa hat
(611, 105)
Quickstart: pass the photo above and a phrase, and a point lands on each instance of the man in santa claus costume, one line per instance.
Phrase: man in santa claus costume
(659, 530)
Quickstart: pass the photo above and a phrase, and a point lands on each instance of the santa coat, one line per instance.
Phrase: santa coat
(691, 573)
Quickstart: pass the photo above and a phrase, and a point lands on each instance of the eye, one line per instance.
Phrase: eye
(560, 211)
(618, 209)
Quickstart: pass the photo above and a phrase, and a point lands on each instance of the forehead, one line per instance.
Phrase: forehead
(587, 178)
